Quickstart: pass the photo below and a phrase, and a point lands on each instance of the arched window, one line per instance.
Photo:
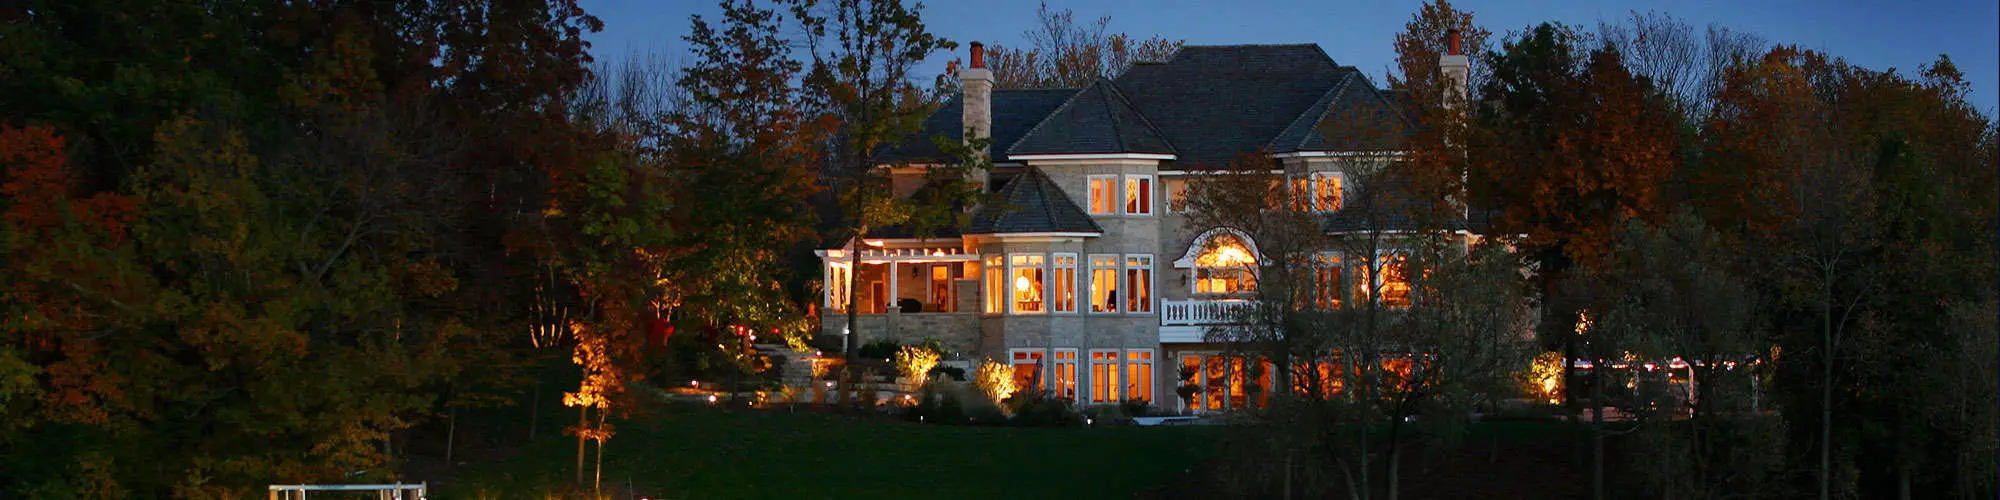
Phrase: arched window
(1224, 263)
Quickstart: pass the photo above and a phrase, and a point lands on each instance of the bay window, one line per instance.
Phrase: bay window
(1139, 194)
(1103, 194)
(1065, 285)
(1026, 271)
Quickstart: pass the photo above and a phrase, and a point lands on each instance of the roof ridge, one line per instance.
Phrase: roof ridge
(1045, 120)
(1143, 120)
(1325, 105)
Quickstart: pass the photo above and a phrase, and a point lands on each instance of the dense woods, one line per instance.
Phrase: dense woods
(247, 242)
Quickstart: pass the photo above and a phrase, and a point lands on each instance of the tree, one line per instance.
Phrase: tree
(1062, 53)
(863, 53)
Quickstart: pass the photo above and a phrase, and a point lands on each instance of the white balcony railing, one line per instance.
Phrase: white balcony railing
(1202, 311)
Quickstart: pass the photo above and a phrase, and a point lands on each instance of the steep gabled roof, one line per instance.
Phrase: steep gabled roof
(1015, 111)
(1097, 119)
(1031, 204)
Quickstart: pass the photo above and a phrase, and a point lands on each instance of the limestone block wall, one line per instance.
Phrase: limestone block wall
(957, 331)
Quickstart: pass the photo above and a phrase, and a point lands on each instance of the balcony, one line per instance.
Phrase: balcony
(1202, 311)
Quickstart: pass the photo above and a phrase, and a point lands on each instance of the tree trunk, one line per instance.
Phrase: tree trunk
(597, 478)
(582, 419)
(450, 436)
(534, 410)
(1597, 429)
(1826, 386)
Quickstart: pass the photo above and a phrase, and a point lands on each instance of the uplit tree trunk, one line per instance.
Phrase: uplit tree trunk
(582, 419)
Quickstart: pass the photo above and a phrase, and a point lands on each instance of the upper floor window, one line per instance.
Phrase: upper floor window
(1139, 194)
(1177, 197)
(1395, 283)
(1104, 283)
(1139, 283)
(1225, 266)
(996, 285)
(1103, 194)
(1319, 192)
(1026, 271)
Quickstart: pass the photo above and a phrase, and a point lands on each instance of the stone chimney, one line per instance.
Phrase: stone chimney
(977, 84)
(1454, 68)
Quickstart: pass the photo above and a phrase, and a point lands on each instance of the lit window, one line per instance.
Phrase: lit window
(837, 286)
(1139, 283)
(1103, 194)
(1301, 194)
(1027, 369)
(1065, 275)
(1027, 281)
(1065, 373)
(1326, 191)
(996, 285)
(1139, 194)
(1103, 376)
(941, 289)
(1326, 283)
(1226, 266)
(1395, 283)
(1139, 374)
(1104, 283)
(1191, 366)
(1176, 196)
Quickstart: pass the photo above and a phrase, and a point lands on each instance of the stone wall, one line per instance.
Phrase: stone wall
(958, 331)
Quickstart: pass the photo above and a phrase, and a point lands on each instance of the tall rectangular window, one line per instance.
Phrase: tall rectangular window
(1139, 194)
(1326, 283)
(1026, 271)
(1103, 194)
(1104, 283)
(1103, 376)
(1176, 195)
(996, 286)
(1065, 373)
(1139, 374)
(1027, 365)
(1301, 194)
(1065, 285)
(1139, 283)
(1191, 366)
(941, 296)
(1326, 191)
(837, 285)
(1395, 283)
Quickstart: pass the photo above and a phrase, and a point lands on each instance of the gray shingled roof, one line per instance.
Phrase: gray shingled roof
(1015, 111)
(1215, 102)
(1097, 119)
(1351, 116)
(1031, 204)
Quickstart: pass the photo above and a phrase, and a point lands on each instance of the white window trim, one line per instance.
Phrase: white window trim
(1116, 192)
(1117, 276)
(1076, 377)
(1152, 279)
(1167, 192)
(1312, 183)
(1054, 281)
(1047, 363)
(1150, 196)
(1117, 368)
(1008, 279)
(1154, 384)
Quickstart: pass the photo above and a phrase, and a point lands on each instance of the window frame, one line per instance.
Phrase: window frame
(1056, 300)
(1104, 384)
(995, 287)
(1150, 268)
(1138, 186)
(1041, 271)
(1133, 381)
(1063, 373)
(1116, 276)
(1113, 193)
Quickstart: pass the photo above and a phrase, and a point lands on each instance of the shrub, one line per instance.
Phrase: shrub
(995, 380)
(879, 349)
(948, 373)
(915, 362)
(1034, 407)
(1137, 407)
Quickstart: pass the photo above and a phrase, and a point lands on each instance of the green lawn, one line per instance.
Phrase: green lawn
(699, 452)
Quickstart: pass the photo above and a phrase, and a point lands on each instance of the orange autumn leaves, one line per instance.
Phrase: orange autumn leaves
(48, 240)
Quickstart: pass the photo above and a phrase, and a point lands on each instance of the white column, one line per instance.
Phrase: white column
(891, 299)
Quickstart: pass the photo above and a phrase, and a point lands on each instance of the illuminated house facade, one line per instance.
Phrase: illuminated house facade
(1087, 269)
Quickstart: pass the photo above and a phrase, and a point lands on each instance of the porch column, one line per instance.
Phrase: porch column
(893, 292)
